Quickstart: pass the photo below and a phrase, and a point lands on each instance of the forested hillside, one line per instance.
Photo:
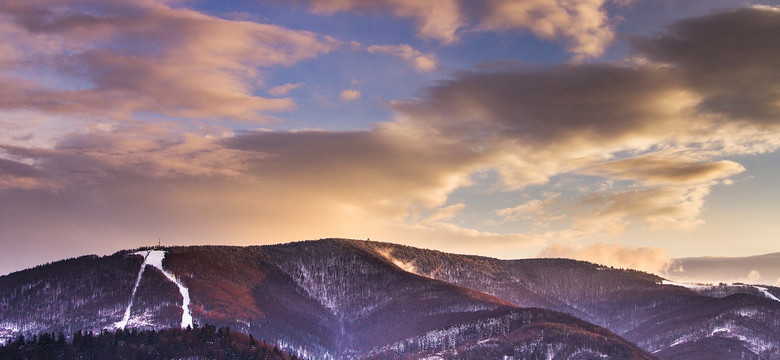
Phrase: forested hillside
(348, 299)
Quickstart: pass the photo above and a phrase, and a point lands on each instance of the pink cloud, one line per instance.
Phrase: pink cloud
(146, 56)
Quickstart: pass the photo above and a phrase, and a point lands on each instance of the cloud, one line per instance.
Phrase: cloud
(647, 128)
(582, 25)
(647, 132)
(350, 95)
(17, 169)
(434, 19)
(668, 192)
(734, 74)
(538, 210)
(285, 89)
(371, 169)
(125, 57)
(445, 213)
(649, 259)
(421, 62)
(18, 175)
(761, 269)
(136, 150)
(661, 207)
(663, 170)
(532, 125)
(570, 102)
(752, 277)
(134, 182)
(639, 124)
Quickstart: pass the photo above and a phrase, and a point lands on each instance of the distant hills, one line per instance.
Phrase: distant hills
(760, 269)
(349, 299)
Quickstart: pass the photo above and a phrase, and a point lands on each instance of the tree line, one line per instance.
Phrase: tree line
(206, 342)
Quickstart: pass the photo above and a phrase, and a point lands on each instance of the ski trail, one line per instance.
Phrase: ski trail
(766, 293)
(123, 323)
(155, 258)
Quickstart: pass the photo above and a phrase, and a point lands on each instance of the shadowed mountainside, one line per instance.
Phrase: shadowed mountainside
(639, 306)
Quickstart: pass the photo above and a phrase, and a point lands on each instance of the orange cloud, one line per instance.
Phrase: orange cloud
(649, 259)
(657, 169)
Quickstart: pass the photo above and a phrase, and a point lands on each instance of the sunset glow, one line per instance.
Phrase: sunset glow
(616, 131)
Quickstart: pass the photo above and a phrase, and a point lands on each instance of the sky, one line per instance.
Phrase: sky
(626, 132)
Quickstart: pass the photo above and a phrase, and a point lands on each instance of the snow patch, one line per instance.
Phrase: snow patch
(8, 331)
(143, 320)
(720, 331)
(748, 312)
(685, 285)
(755, 345)
(680, 341)
(766, 293)
(433, 357)
(302, 352)
(10, 326)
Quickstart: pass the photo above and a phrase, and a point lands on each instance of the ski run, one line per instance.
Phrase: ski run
(155, 258)
(123, 323)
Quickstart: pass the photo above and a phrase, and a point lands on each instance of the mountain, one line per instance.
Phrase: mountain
(348, 299)
(662, 317)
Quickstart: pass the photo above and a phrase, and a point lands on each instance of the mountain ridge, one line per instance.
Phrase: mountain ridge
(356, 299)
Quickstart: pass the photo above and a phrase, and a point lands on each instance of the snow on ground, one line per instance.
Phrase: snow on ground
(766, 293)
(681, 340)
(685, 285)
(155, 258)
(123, 323)
(433, 357)
(720, 330)
(8, 331)
(147, 319)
